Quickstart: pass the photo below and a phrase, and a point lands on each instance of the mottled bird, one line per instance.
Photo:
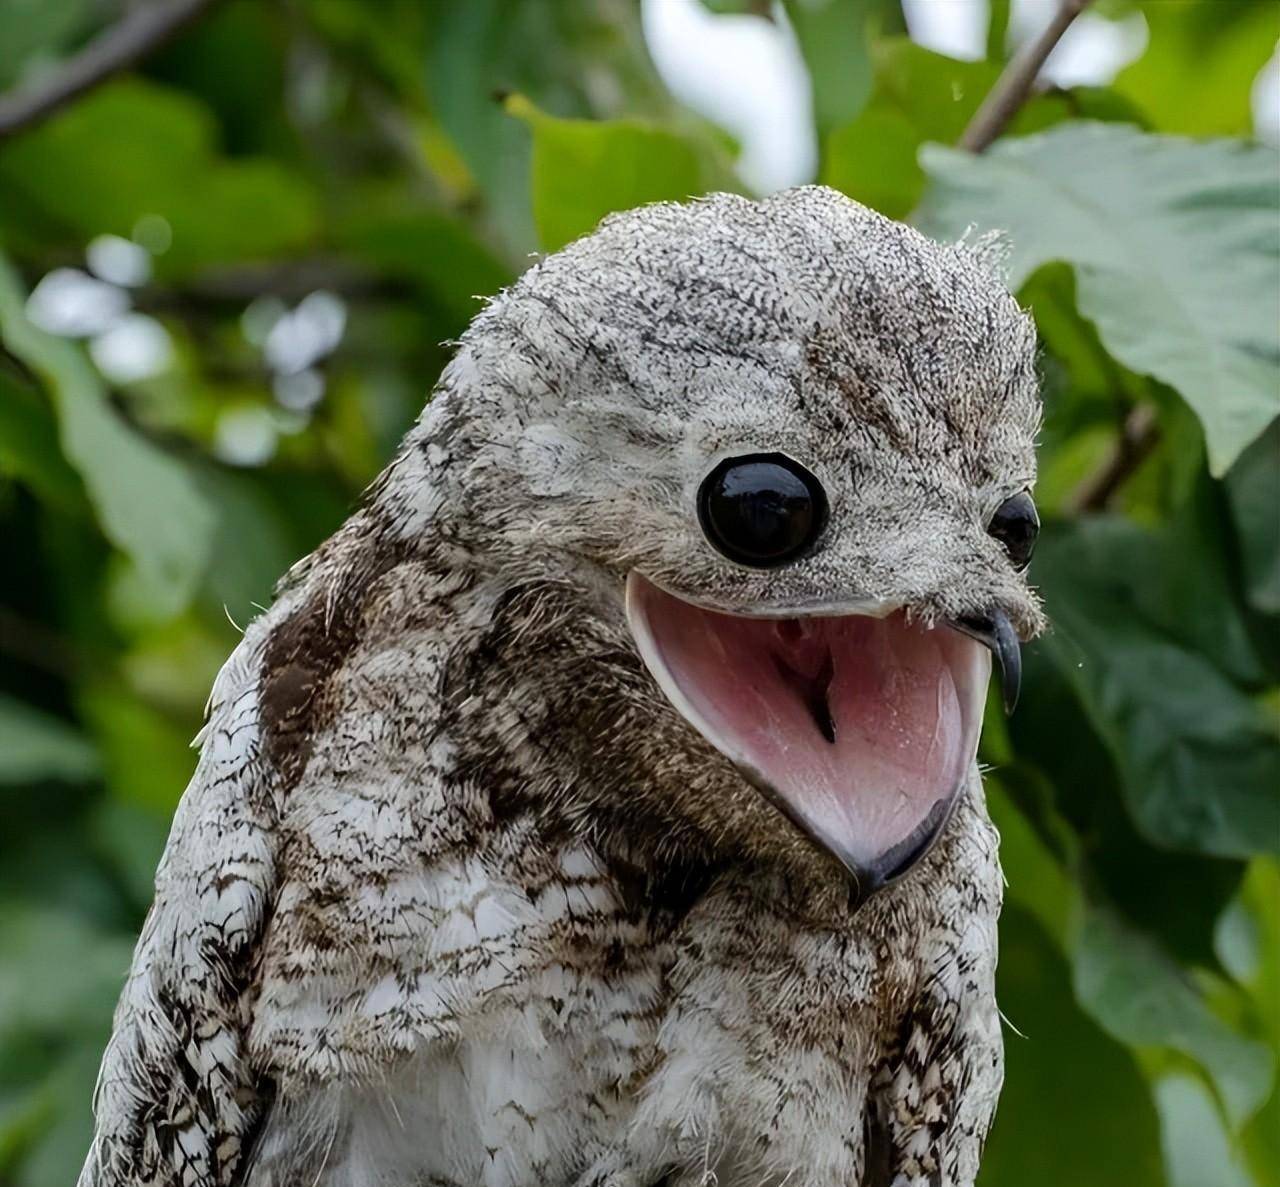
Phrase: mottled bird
(599, 805)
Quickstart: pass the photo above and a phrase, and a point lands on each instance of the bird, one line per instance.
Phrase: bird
(599, 806)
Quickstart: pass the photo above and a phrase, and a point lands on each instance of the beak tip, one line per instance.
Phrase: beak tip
(1009, 655)
(1010, 698)
(995, 631)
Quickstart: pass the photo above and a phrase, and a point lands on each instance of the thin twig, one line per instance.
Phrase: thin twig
(1138, 437)
(142, 30)
(1014, 85)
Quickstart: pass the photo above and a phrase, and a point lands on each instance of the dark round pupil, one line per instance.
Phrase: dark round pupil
(1016, 525)
(761, 511)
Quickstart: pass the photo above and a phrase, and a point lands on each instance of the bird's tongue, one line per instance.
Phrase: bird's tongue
(861, 729)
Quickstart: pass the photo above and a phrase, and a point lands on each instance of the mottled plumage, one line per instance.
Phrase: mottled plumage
(456, 896)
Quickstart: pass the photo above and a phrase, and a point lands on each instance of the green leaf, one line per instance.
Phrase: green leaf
(586, 169)
(1122, 978)
(135, 149)
(145, 500)
(998, 29)
(36, 746)
(57, 1152)
(434, 251)
(1074, 1108)
(1175, 245)
(1034, 880)
(254, 544)
(1199, 767)
(1253, 488)
(873, 160)
(36, 994)
(589, 61)
(29, 448)
(32, 29)
(1262, 1143)
(1084, 389)
(1197, 603)
(1142, 998)
(1064, 772)
(1198, 1152)
(833, 39)
(125, 728)
(1248, 942)
(1224, 58)
(58, 985)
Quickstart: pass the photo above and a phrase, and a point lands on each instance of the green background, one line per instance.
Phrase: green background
(407, 157)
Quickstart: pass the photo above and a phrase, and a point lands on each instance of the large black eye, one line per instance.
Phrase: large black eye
(762, 510)
(1016, 525)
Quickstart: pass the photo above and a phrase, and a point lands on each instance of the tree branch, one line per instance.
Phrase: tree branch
(1141, 432)
(238, 284)
(118, 47)
(1014, 85)
(1138, 437)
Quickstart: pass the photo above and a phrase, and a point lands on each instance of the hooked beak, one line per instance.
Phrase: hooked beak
(994, 631)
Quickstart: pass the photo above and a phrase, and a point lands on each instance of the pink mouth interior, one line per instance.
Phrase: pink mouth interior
(862, 729)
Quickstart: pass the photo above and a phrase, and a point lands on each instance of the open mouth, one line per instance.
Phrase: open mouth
(860, 729)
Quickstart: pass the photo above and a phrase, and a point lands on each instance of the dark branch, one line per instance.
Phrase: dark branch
(1014, 85)
(1138, 437)
(238, 284)
(1141, 432)
(142, 30)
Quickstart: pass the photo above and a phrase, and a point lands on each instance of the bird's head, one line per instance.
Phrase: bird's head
(790, 444)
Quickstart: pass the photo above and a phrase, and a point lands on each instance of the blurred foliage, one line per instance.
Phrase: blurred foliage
(291, 206)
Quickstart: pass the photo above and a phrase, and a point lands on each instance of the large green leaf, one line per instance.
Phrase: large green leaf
(1065, 773)
(1198, 1152)
(1084, 389)
(1142, 998)
(36, 746)
(1248, 942)
(1198, 765)
(58, 984)
(1122, 978)
(134, 149)
(585, 169)
(144, 499)
(1262, 1144)
(53, 1149)
(1196, 604)
(1175, 245)
(41, 946)
(1253, 486)
(1038, 881)
(1074, 1108)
